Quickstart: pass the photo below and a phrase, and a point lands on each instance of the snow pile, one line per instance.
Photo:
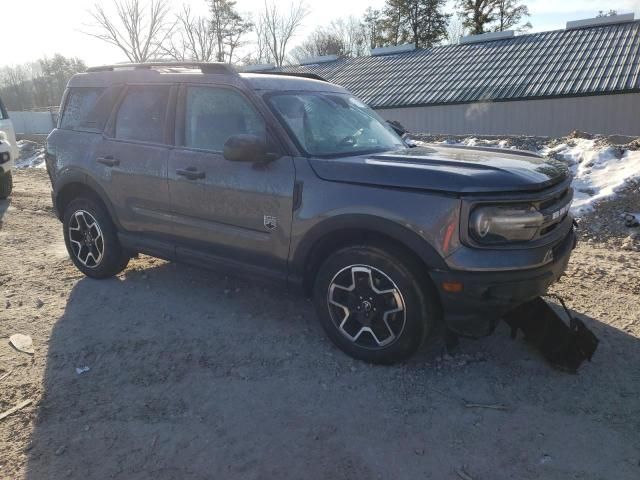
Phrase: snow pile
(600, 172)
(31, 155)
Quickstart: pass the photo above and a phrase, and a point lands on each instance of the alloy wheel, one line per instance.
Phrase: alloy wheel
(86, 239)
(366, 306)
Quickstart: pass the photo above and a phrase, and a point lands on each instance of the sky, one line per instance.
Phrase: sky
(39, 28)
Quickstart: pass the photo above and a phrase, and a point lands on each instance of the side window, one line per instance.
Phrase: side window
(80, 109)
(212, 115)
(142, 113)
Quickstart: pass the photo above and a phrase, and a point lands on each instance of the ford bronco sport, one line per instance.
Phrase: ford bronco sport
(296, 180)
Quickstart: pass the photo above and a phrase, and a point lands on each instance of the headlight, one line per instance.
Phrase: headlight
(504, 223)
(4, 157)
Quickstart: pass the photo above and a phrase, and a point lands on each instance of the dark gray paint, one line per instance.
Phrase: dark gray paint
(421, 198)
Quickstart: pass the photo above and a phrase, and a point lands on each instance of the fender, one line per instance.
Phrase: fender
(76, 175)
(300, 253)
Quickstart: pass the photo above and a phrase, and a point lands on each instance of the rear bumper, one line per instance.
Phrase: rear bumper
(486, 296)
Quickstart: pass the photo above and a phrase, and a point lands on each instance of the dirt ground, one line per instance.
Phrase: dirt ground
(194, 375)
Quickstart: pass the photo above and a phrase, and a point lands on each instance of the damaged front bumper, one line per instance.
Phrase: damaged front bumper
(484, 296)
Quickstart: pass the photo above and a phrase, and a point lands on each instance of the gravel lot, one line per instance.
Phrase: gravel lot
(194, 375)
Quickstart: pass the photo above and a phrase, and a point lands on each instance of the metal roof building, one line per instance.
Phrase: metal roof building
(585, 77)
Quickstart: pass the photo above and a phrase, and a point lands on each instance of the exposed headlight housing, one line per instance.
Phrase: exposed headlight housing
(495, 224)
(5, 157)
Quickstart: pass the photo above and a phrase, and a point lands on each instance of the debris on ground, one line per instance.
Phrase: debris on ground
(81, 370)
(19, 406)
(490, 407)
(632, 242)
(631, 220)
(22, 343)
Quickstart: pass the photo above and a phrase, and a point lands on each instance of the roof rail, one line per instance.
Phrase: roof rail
(312, 76)
(205, 67)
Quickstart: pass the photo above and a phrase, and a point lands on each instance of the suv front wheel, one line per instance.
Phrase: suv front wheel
(374, 304)
(91, 239)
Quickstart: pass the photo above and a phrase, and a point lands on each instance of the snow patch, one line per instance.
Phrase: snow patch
(31, 155)
(600, 172)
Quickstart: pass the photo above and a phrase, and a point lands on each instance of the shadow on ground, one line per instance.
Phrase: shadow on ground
(193, 375)
(4, 206)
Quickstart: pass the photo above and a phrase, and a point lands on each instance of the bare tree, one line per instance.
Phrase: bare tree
(343, 37)
(353, 33)
(138, 29)
(477, 14)
(455, 30)
(509, 14)
(320, 42)
(192, 39)
(276, 27)
(228, 27)
(374, 29)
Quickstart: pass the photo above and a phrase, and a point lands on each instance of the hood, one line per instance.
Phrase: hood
(447, 169)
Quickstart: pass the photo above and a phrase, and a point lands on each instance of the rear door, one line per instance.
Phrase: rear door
(227, 211)
(132, 160)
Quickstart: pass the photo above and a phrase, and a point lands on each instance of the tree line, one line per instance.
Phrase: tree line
(147, 30)
(38, 84)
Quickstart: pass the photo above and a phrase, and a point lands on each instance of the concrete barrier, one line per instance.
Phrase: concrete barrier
(33, 122)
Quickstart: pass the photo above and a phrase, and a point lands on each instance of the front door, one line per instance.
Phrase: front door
(223, 210)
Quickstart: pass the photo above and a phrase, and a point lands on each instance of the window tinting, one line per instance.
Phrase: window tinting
(142, 114)
(84, 109)
(212, 115)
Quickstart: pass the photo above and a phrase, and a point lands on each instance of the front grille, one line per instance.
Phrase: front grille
(555, 209)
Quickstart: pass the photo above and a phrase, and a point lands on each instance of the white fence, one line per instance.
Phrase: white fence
(33, 122)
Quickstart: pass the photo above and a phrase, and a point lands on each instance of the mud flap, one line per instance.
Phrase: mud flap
(563, 346)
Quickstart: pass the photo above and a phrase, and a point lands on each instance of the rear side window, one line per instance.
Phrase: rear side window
(212, 115)
(87, 108)
(142, 113)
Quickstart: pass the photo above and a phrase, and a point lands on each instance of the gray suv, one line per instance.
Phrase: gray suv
(296, 180)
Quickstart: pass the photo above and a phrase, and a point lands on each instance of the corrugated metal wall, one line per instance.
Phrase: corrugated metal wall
(603, 114)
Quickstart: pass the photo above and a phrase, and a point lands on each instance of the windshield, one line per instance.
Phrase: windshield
(333, 124)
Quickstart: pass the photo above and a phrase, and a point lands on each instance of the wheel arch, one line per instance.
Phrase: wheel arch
(338, 232)
(76, 184)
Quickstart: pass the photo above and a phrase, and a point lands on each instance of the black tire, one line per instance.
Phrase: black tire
(6, 185)
(112, 259)
(401, 283)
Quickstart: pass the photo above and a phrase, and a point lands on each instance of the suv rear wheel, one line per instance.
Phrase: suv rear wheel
(373, 303)
(91, 239)
(6, 185)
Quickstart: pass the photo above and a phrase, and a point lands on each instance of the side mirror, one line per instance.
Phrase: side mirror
(246, 148)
